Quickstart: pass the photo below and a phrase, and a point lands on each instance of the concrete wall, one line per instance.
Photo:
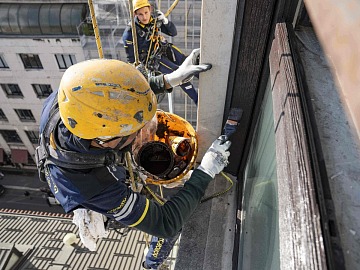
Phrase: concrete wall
(217, 29)
(208, 238)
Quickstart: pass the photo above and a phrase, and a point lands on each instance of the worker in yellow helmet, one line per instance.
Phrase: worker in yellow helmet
(163, 57)
(88, 124)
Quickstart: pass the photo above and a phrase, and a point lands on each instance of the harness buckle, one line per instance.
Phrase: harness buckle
(111, 158)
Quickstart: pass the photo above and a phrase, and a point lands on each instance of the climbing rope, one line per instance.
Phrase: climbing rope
(96, 29)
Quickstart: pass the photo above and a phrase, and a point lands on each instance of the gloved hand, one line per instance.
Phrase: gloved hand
(161, 17)
(141, 67)
(187, 70)
(216, 157)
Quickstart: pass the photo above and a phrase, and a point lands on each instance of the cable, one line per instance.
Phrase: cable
(221, 192)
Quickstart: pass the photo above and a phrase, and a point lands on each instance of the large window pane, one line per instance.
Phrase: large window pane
(23, 19)
(54, 19)
(44, 18)
(38, 18)
(4, 18)
(259, 239)
(33, 17)
(10, 136)
(71, 17)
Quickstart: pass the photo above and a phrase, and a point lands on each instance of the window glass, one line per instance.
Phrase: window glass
(44, 18)
(54, 19)
(65, 18)
(33, 136)
(78, 14)
(60, 61)
(3, 116)
(33, 19)
(25, 115)
(10, 136)
(37, 18)
(13, 18)
(71, 17)
(259, 237)
(31, 61)
(4, 18)
(68, 61)
(42, 90)
(23, 19)
(3, 62)
(12, 90)
(65, 60)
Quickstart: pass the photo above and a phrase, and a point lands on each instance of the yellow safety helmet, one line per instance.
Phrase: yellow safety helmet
(137, 4)
(105, 98)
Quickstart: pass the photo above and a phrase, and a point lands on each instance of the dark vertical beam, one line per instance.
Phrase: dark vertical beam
(252, 32)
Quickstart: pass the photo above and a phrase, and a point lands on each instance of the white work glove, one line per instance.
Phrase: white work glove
(91, 227)
(216, 157)
(187, 70)
(161, 17)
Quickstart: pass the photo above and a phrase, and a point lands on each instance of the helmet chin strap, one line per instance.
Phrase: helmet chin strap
(125, 141)
(122, 142)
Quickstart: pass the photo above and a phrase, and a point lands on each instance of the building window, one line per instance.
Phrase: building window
(259, 237)
(65, 60)
(3, 116)
(42, 90)
(31, 61)
(2, 62)
(10, 136)
(33, 136)
(25, 115)
(12, 90)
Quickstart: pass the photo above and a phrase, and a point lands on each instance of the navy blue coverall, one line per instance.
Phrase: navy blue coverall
(104, 190)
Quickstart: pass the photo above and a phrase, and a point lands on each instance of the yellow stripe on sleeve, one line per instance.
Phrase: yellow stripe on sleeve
(142, 216)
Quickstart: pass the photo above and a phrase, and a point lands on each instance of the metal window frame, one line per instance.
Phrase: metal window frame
(42, 90)
(31, 61)
(3, 116)
(65, 58)
(12, 90)
(33, 136)
(3, 64)
(25, 115)
(9, 135)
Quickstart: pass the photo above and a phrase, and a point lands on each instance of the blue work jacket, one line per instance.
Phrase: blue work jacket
(104, 189)
(144, 33)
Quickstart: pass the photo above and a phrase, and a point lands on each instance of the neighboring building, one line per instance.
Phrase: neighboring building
(38, 43)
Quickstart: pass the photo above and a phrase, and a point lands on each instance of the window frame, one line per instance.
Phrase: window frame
(42, 90)
(3, 64)
(64, 61)
(9, 134)
(12, 90)
(33, 136)
(25, 115)
(31, 61)
(3, 116)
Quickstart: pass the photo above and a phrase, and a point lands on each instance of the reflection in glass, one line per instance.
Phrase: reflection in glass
(259, 239)
(41, 19)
